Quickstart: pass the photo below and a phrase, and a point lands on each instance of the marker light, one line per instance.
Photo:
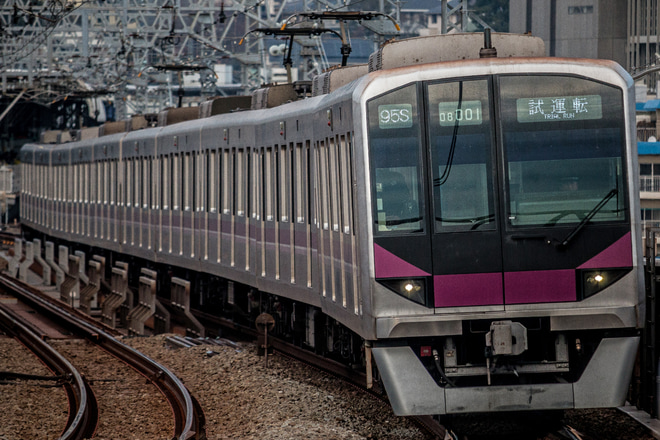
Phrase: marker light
(413, 289)
(593, 281)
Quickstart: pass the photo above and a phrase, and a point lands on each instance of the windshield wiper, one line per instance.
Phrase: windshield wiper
(474, 222)
(402, 221)
(452, 148)
(586, 219)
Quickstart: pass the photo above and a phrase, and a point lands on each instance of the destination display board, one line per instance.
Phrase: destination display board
(559, 108)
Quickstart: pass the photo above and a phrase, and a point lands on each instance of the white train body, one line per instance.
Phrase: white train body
(478, 299)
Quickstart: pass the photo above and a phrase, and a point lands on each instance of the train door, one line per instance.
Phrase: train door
(260, 223)
(285, 230)
(154, 203)
(176, 228)
(145, 205)
(187, 230)
(226, 203)
(165, 229)
(241, 232)
(98, 198)
(69, 194)
(206, 208)
(270, 234)
(75, 199)
(132, 202)
(302, 260)
(212, 242)
(254, 205)
(86, 190)
(467, 262)
(199, 216)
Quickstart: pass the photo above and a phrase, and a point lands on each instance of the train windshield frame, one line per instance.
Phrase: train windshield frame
(563, 140)
(461, 144)
(396, 162)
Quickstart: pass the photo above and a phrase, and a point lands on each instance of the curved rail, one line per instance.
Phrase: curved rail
(83, 416)
(188, 417)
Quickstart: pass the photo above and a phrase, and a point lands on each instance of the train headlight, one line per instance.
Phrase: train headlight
(593, 281)
(413, 289)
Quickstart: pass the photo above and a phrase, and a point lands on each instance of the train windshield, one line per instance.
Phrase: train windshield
(559, 141)
(562, 140)
(396, 149)
(461, 151)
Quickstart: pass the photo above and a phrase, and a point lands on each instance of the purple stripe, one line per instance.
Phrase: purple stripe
(285, 233)
(472, 289)
(540, 286)
(239, 229)
(618, 254)
(388, 265)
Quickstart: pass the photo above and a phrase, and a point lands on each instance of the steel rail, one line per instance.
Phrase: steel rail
(188, 416)
(83, 414)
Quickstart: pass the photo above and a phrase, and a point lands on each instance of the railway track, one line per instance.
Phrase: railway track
(83, 410)
(189, 420)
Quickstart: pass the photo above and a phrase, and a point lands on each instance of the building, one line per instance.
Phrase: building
(575, 28)
(649, 162)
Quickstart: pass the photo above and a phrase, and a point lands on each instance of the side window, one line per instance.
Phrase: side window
(268, 183)
(227, 180)
(239, 181)
(166, 192)
(176, 182)
(300, 182)
(211, 168)
(283, 184)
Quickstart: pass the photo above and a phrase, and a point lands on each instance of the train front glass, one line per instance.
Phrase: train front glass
(513, 165)
(562, 142)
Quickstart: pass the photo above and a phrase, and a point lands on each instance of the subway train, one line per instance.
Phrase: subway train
(460, 218)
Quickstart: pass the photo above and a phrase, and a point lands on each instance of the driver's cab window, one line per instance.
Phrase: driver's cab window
(394, 139)
(397, 199)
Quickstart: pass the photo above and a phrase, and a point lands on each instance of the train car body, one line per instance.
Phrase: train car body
(474, 221)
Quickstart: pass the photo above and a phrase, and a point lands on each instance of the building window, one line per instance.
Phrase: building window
(651, 218)
(649, 177)
(574, 10)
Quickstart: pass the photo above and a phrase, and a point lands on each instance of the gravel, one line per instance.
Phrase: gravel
(244, 399)
(241, 397)
(30, 409)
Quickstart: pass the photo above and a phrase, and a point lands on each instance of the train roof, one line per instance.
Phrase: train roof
(448, 48)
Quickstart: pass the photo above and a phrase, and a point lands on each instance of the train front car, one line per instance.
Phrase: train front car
(504, 220)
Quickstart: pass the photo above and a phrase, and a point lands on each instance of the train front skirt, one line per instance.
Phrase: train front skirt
(412, 390)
